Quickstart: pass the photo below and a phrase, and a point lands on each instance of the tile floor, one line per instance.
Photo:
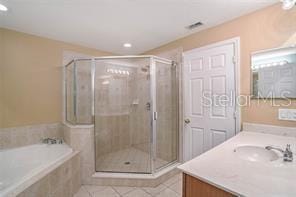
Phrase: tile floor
(127, 160)
(170, 188)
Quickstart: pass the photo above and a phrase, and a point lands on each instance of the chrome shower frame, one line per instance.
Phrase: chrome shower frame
(153, 114)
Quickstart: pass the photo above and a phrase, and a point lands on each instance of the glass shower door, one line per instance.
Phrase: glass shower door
(70, 93)
(78, 92)
(166, 95)
(123, 115)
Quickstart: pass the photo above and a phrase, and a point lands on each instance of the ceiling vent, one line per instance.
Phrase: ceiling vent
(194, 25)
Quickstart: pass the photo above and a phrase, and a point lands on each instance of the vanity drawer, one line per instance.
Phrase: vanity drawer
(193, 187)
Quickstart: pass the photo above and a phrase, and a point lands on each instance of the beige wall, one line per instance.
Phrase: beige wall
(31, 78)
(31, 72)
(267, 28)
(1, 78)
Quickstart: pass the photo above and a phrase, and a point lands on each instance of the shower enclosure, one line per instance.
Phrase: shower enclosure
(133, 103)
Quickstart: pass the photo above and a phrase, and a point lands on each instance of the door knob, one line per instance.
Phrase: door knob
(187, 121)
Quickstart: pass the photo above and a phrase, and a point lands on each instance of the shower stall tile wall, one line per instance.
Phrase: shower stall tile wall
(82, 140)
(133, 103)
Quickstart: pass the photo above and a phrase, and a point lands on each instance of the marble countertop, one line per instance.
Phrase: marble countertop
(222, 168)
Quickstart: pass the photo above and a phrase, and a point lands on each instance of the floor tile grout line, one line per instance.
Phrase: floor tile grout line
(173, 191)
(91, 195)
(85, 189)
(115, 190)
(118, 192)
(165, 187)
(145, 191)
(169, 187)
(171, 183)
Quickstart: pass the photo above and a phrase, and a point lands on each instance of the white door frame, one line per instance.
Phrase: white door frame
(236, 42)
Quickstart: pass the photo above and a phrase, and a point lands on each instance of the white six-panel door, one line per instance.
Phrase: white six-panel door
(209, 81)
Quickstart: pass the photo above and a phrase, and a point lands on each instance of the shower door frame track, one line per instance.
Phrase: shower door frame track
(153, 114)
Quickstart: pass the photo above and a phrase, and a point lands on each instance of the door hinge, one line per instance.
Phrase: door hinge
(234, 59)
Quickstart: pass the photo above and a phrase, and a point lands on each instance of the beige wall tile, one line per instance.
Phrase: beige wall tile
(63, 181)
(27, 135)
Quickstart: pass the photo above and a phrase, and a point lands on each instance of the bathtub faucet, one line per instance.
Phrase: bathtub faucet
(52, 141)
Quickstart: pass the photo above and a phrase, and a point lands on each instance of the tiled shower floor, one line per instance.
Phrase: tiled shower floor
(127, 160)
(170, 188)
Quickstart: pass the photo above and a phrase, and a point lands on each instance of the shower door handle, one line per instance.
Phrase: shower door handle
(155, 115)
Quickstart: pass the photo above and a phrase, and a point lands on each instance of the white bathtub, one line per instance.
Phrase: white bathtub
(19, 166)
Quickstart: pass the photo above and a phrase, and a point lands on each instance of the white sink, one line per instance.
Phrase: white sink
(255, 153)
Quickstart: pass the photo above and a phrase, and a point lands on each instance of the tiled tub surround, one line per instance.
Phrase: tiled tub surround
(81, 138)
(222, 168)
(40, 170)
(27, 135)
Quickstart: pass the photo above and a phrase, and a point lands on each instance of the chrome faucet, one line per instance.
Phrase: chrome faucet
(288, 154)
(51, 141)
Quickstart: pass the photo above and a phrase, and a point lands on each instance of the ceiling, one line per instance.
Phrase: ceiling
(108, 24)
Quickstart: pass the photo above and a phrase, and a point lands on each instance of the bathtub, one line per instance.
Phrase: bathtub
(22, 167)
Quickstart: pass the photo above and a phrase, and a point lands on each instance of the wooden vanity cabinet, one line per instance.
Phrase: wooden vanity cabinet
(193, 187)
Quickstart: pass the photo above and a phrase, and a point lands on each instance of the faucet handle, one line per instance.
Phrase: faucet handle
(288, 147)
(53, 141)
(44, 140)
(60, 141)
(288, 154)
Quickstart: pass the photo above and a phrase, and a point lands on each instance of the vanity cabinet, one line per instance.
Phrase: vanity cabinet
(193, 187)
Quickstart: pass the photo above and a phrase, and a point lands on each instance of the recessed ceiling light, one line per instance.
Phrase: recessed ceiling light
(288, 4)
(127, 45)
(3, 8)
